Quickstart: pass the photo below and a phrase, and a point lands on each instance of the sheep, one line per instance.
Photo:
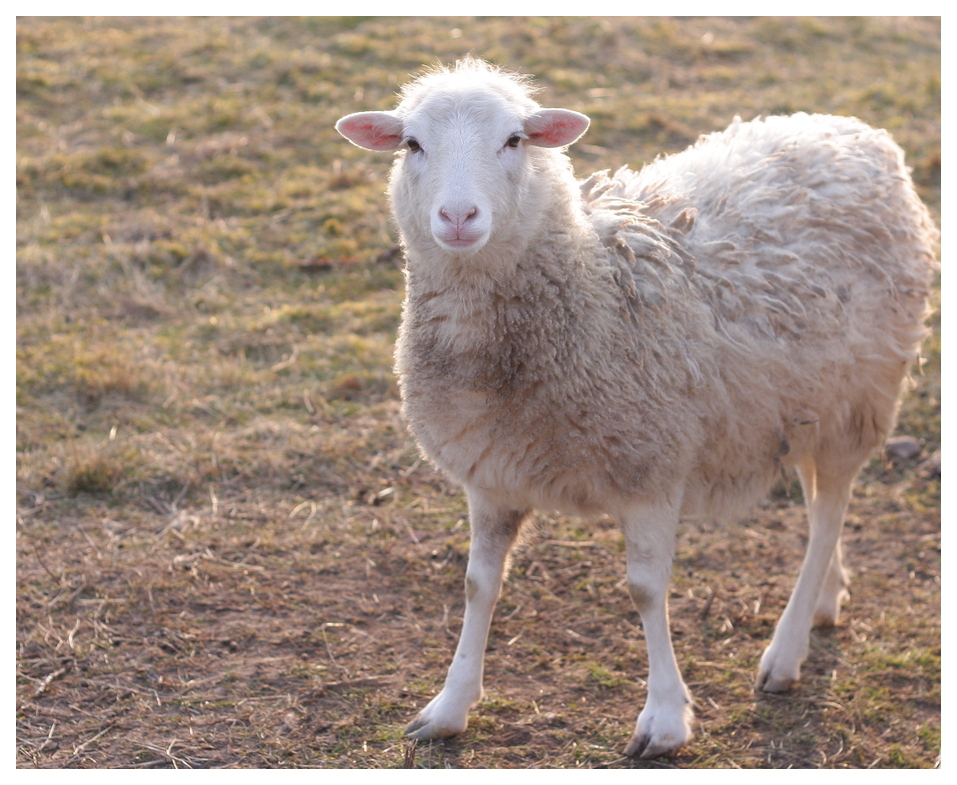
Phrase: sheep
(652, 345)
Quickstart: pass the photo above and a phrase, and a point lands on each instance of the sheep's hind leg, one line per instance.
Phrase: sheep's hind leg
(664, 723)
(820, 587)
(834, 591)
(493, 533)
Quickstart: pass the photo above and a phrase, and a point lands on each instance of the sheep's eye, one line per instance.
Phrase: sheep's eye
(414, 146)
(514, 141)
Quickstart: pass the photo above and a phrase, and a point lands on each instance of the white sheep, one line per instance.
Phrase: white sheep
(650, 345)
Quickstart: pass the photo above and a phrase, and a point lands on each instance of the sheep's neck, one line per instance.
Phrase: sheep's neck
(491, 331)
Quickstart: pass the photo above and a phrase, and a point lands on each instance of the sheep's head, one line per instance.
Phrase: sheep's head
(469, 142)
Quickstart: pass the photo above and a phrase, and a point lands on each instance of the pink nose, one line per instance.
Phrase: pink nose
(458, 217)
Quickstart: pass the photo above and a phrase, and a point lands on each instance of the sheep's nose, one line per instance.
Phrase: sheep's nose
(458, 216)
(460, 225)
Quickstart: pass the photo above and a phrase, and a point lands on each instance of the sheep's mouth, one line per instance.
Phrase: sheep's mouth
(462, 241)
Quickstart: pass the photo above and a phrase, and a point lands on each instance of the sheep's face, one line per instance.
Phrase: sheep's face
(465, 162)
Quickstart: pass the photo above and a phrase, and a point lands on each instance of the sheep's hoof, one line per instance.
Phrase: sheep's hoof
(422, 729)
(441, 718)
(642, 747)
(767, 682)
(825, 619)
(828, 611)
(778, 672)
(660, 732)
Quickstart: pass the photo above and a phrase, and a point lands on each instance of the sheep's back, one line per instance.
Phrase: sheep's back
(797, 228)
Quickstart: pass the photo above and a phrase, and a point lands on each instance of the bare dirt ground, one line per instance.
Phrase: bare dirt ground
(229, 553)
(240, 632)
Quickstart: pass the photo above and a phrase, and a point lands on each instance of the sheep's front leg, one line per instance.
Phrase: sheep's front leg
(494, 530)
(665, 722)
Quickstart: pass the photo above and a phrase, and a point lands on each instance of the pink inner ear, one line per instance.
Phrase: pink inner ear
(371, 130)
(553, 133)
(555, 127)
(373, 135)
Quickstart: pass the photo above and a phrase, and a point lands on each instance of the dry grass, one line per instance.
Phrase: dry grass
(228, 551)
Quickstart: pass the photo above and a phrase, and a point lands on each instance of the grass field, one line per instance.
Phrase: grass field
(229, 553)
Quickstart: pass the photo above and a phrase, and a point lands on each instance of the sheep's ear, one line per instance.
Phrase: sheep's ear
(555, 127)
(372, 130)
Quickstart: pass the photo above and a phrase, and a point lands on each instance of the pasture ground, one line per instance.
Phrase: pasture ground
(228, 551)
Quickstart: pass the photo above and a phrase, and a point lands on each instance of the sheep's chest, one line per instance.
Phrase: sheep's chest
(468, 410)
(509, 419)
